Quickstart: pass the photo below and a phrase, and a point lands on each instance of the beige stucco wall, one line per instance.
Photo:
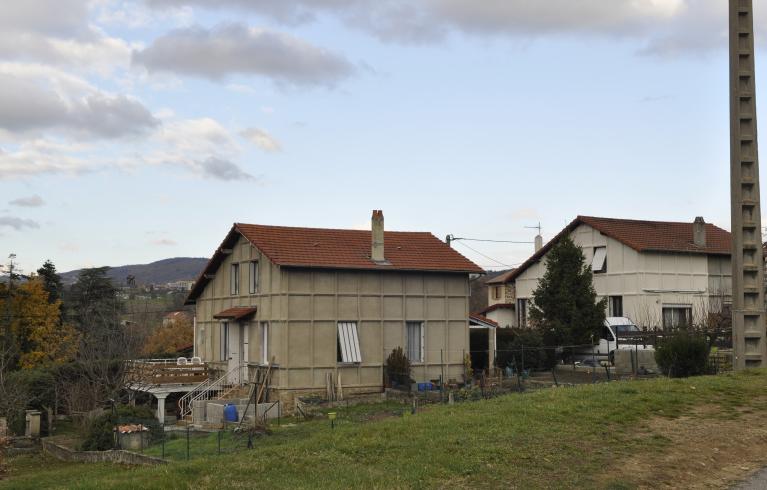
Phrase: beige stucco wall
(647, 280)
(304, 306)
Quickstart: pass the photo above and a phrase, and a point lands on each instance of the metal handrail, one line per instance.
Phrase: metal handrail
(204, 392)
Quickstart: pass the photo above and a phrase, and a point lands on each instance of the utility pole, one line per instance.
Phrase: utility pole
(748, 309)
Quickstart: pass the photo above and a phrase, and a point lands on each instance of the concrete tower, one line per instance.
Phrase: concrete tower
(748, 314)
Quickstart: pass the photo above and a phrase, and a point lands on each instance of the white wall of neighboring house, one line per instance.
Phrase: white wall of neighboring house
(505, 317)
(647, 282)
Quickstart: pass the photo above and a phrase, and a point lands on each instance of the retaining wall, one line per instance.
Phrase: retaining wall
(112, 456)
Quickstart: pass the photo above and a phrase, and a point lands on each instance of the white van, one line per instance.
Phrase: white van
(614, 336)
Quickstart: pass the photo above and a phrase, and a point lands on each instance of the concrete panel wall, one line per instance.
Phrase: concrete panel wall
(302, 308)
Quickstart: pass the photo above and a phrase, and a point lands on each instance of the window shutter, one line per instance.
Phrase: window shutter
(600, 256)
(349, 342)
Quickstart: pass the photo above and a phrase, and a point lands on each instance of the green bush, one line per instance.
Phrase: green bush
(682, 354)
(28, 389)
(100, 431)
(398, 368)
(523, 347)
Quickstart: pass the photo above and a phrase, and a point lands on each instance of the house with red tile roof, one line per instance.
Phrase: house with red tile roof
(658, 273)
(332, 304)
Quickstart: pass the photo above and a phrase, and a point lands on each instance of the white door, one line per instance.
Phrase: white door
(235, 351)
(244, 351)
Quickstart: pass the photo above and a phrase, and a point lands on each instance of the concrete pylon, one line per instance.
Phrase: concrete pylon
(748, 309)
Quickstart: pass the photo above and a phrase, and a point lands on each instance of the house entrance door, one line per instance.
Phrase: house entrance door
(235, 354)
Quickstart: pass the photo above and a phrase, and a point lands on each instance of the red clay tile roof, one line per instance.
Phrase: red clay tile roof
(500, 278)
(496, 306)
(341, 249)
(235, 313)
(350, 249)
(483, 319)
(642, 236)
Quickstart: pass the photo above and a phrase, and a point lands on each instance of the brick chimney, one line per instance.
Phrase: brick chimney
(377, 225)
(699, 232)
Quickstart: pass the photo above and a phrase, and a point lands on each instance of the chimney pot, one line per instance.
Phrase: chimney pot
(377, 245)
(699, 232)
(538, 242)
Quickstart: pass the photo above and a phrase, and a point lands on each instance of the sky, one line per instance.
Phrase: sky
(132, 131)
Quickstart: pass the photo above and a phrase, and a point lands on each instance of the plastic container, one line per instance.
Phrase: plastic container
(230, 413)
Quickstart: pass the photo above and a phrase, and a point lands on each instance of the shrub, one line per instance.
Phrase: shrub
(100, 431)
(513, 342)
(682, 354)
(398, 367)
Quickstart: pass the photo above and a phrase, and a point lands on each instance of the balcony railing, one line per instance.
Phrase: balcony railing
(165, 371)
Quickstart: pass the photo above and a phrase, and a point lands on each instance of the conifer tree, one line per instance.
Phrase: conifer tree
(565, 305)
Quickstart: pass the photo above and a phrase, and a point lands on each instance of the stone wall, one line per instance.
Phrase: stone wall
(112, 456)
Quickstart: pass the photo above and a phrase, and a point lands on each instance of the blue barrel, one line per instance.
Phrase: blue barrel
(230, 413)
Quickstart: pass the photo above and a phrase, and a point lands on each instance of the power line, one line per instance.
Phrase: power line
(485, 256)
(452, 238)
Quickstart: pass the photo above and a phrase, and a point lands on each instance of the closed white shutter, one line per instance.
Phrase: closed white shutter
(349, 342)
(415, 341)
(600, 256)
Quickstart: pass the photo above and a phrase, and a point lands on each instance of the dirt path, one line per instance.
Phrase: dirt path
(706, 450)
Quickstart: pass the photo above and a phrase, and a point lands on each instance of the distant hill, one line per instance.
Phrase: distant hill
(160, 272)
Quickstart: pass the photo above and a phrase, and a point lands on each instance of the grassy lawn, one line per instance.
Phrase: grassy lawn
(557, 438)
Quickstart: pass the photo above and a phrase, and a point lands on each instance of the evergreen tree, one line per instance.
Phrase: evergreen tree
(51, 281)
(565, 306)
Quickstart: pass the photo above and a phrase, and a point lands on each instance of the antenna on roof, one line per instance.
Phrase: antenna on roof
(538, 238)
(536, 227)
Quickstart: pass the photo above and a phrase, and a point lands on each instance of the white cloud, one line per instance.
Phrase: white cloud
(663, 26)
(237, 49)
(18, 224)
(34, 99)
(45, 157)
(33, 201)
(262, 139)
(59, 32)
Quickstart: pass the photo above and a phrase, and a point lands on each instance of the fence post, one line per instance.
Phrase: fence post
(187, 443)
(442, 376)
(163, 441)
(219, 442)
(523, 355)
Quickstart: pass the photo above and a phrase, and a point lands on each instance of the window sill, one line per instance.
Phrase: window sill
(348, 364)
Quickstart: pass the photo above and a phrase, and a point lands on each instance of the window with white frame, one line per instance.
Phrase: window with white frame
(348, 343)
(253, 275)
(675, 316)
(224, 342)
(263, 336)
(415, 337)
(599, 263)
(234, 279)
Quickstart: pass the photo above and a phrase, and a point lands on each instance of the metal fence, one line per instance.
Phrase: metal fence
(178, 443)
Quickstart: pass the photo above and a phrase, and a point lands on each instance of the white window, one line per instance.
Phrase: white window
(675, 316)
(348, 342)
(224, 342)
(234, 279)
(253, 277)
(522, 312)
(264, 340)
(415, 341)
(599, 264)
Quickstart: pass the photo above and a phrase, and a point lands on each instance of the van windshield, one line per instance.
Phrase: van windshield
(624, 329)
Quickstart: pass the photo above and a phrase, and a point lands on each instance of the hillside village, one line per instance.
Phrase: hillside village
(292, 337)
